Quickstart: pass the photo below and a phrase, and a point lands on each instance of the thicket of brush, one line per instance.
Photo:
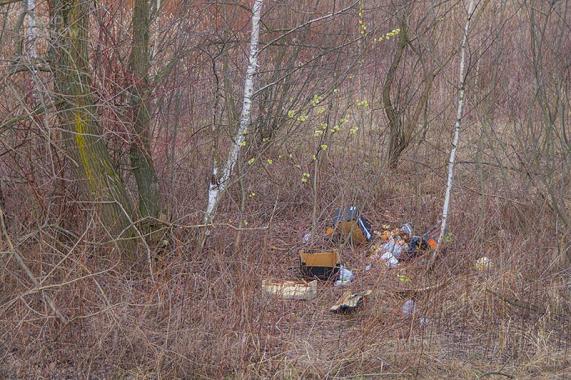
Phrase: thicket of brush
(319, 141)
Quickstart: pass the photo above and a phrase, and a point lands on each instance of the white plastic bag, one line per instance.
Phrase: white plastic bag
(408, 308)
(390, 260)
(345, 276)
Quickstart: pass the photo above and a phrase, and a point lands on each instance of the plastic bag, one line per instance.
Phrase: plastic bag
(345, 276)
(390, 260)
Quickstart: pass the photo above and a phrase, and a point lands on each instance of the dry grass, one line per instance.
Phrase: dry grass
(204, 316)
(185, 312)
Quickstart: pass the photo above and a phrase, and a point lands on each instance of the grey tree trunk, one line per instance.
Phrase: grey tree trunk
(77, 111)
(401, 127)
(140, 151)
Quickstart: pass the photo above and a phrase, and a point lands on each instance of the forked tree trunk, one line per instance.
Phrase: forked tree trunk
(401, 127)
(396, 132)
(457, 125)
(219, 184)
(70, 64)
(140, 151)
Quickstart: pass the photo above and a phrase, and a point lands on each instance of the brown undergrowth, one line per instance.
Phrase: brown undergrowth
(202, 313)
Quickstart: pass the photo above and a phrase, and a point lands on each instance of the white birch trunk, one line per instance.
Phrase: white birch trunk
(31, 46)
(457, 125)
(218, 185)
(31, 32)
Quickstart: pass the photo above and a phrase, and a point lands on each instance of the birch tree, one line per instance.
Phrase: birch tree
(219, 184)
(31, 33)
(31, 46)
(457, 126)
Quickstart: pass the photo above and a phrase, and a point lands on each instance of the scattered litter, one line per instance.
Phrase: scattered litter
(391, 246)
(408, 308)
(416, 246)
(403, 233)
(483, 264)
(291, 290)
(390, 260)
(350, 225)
(349, 301)
(319, 263)
(394, 247)
(432, 244)
(400, 244)
(403, 278)
(408, 311)
(345, 276)
(407, 229)
(424, 321)
(376, 247)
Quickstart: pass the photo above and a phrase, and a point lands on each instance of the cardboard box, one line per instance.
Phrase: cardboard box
(350, 226)
(319, 263)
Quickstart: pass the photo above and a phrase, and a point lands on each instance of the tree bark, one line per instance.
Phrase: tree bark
(396, 131)
(140, 152)
(31, 33)
(457, 125)
(70, 64)
(401, 128)
(218, 185)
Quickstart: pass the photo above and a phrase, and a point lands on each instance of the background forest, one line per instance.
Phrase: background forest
(160, 158)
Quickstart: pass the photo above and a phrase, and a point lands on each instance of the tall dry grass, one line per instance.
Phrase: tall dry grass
(204, 315)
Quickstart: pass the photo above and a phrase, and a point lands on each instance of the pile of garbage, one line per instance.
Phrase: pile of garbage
(400, 244)
(390, 246)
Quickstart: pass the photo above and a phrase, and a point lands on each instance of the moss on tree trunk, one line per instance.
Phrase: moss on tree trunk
(77, 111)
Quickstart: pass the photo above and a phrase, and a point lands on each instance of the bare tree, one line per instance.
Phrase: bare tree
(140, 151)
(218, 183)
(78, 115)
(544, 146)
(404, 103)
(457, 125)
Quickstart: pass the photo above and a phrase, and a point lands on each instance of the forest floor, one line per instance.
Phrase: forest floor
(202, 314)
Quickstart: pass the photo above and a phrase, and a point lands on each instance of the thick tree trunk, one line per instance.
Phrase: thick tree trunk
(70, 64)
(140, 152)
